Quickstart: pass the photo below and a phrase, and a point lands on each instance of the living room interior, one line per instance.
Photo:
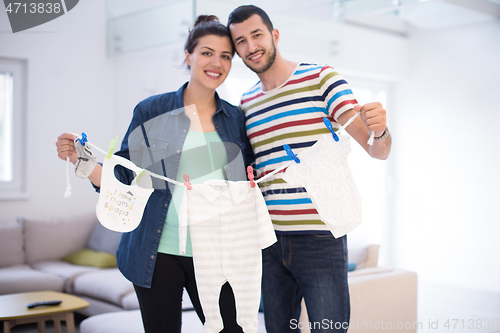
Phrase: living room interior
(432, 206)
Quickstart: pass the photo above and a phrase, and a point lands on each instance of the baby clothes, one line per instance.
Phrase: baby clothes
(324, 172)
(86, 160)
(229, 225)
(120, 206)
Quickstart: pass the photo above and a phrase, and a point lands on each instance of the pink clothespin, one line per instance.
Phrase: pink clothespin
(187, 183)
(250, 176)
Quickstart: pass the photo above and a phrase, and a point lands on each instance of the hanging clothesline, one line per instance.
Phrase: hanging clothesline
(113, 144)
(150, 173)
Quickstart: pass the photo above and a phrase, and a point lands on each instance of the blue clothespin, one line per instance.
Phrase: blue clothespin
(83, 139)
(290, 153)
(330, 127)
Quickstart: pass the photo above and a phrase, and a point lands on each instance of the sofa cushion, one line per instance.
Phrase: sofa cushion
(106, 284)
(15, 279)
(66, 271)
(97, 306)
(11, 244)
(370, 271)
(115, 322)
(130, 301)
(51, 239)
(104, 240)
(88, 257)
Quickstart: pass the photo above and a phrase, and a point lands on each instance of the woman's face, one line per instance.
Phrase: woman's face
(210, 61)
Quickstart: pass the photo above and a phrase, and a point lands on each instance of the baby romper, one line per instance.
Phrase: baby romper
(229, 225)
(324, 172)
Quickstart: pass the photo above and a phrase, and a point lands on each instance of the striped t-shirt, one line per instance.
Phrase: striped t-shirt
(292, 114)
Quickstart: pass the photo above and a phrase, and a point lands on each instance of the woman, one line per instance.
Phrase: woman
(178, 128)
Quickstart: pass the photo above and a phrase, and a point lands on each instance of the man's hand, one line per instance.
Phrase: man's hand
(66, 147)
(373, 116)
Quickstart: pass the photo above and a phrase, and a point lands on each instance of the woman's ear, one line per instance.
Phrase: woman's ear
(188, 58)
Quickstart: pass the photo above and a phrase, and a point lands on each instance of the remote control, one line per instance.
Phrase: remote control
(44, 303)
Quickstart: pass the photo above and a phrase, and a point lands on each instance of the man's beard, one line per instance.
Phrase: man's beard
(270, 62)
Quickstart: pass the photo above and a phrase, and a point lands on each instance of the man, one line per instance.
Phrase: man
(287, 107)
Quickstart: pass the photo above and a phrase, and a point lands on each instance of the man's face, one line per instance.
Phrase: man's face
(255, 44)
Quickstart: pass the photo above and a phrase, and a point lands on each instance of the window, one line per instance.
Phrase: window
(12, 129)
(5, 126)
(372, 178)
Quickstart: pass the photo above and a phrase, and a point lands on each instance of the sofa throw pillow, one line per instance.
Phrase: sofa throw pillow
(104, 240)
(351, 266)
(53, 238)
(88, 257)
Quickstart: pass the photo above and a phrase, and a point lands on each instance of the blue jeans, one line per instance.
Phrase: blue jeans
(313, 267)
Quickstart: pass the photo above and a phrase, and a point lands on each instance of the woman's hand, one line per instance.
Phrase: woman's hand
(66, 147)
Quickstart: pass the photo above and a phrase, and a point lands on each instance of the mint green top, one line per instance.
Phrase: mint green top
(203, 157)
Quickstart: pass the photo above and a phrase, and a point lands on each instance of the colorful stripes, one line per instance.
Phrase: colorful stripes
(289, 202)
(292, 114)
(285, 114)
(289, 136)
(285, 125)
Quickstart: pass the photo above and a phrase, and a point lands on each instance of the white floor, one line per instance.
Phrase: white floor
(443, 308)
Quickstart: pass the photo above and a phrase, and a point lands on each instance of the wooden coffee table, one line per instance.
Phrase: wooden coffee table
(13, 310)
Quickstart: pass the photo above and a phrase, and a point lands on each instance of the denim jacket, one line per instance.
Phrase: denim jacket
(154, 140)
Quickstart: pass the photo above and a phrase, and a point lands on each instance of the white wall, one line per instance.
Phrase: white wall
(447, 155)
(139, 75)
(70, 88)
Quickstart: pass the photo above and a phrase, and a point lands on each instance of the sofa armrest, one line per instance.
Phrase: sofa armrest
(379, 296)
(383, 296)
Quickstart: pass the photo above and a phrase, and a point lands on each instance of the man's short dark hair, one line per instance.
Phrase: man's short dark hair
(243, 13)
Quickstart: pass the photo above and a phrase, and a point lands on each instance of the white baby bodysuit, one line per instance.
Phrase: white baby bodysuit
(120, 206)
(229, 224)
(324, 172)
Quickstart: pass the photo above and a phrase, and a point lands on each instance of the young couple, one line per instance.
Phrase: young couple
(286, 107)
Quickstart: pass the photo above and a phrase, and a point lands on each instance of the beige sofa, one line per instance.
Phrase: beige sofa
(31, 252)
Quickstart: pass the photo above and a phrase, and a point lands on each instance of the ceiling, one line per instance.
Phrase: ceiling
(397, 16)
(134, 25)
